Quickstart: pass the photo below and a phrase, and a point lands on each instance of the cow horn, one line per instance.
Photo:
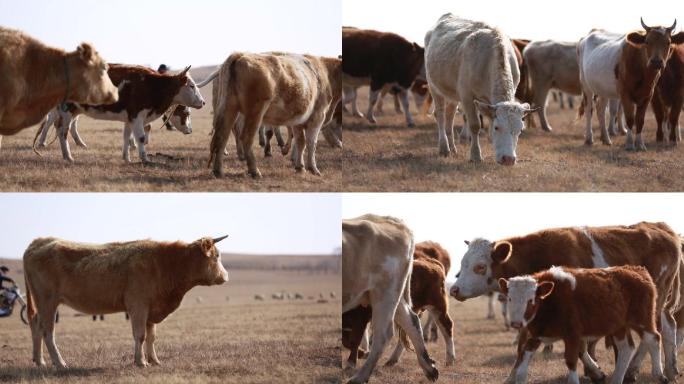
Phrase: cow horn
(186, 70)
(671, 29)
(643, 25)
(216, 240)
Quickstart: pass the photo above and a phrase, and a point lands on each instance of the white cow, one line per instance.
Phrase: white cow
(471, 63)
(598, 54)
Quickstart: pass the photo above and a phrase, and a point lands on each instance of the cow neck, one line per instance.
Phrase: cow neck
(502, 84)
(173, 262)
(54, 86)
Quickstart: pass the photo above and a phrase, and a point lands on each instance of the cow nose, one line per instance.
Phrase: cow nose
(507, 160)
(656, 64)
(516, 324)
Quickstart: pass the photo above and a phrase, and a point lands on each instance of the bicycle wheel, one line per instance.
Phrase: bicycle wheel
(22, 314)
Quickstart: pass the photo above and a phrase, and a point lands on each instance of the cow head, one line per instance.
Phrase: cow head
(88, 80)
(189, 93)
(180, 119)
(507, 124)
(477, 276)
(524, 297)
(658, 42)
(207, 268)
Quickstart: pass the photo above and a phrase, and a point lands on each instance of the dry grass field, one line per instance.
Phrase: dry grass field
(484, 354)
(100, 167)
(218, 335)
(391, 157)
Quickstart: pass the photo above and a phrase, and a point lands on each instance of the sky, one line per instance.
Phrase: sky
(529, 19)
(180, 33)
(261, 223)
(449, 219)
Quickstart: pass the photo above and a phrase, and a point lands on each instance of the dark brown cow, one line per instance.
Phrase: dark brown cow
(432, 250)
(641, 63)
(669, 96)
(354, 324)
(380, 58)
(574, 305)
(521, 93)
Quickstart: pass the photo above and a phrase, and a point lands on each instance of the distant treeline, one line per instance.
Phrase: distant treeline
(313, 263)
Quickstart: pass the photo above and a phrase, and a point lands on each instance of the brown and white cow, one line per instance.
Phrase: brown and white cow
(432, 250)
(299, 91)
(668, 98)
(147, 279)
(574, 305)
(144, 96)
(378, 59)
(652, 245)
(377, 256)
(36, 77)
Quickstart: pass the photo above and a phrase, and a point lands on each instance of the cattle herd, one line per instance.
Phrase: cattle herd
(575, 285)
(475, 68)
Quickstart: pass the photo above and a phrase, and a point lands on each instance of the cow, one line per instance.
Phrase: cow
(354, 328)
(668, 98)
(179, 120)
(652, 245)
(275, 89)
(144, 96)
(434, 251)
(471, 63)
(574, 305)
(36, 77)
(419, 91)
(377, 259)
(145, 278)
(380, 59)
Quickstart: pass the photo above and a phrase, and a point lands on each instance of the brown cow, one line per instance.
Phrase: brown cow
(36, 77)
(669, 96)
(354, 323)
(574, 305)
(377, 59)
(146, 279)
(432, 250)
(641, 63)
(275, 89)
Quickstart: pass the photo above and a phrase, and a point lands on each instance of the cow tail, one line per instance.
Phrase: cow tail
(406, 297)
(226, 74)
(43, 125)
(426, 104)
(583, 103)
(30, 305)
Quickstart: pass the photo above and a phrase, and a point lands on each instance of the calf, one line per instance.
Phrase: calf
(354, 323)
(275, 89)
(575, 305)
(474, 64)
(434, 251)
(378, 59)
(377, 255)
(668, 99)
(146, 279)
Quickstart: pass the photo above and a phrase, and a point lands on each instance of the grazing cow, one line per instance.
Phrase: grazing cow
(275, 89)
(471, 63)
(378, 59)
(377, 255)
(574, 305)
(144, 96)
(652, 245)
(179, 119)
(668, 98)
(36, 77)
(551, 64)
(146, 279)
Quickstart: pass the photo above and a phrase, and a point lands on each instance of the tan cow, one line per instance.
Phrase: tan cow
(146, 279)
(377, 255)
(299, 91)
(35, 78)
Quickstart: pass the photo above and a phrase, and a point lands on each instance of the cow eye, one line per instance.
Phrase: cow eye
(496, 128)
(480, 269)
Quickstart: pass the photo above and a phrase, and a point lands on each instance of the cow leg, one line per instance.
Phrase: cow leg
(669, 338)
(625, 350)
(612, 116)
(268, 135)
(639, 121)
(397, 106)
(224, 122)
(410, 323)
(139, 326)
(652, 341)
(382, 333)
(571, 101)
(74, 133)
(504, 314)
(352, 98)
(237, 132)
(63, 133)
(46, 317)
(601, 105)
(490, 305)
(396, 354)
(253, 120)
(403, 96)
(262, 136)
(560, 100)
(312, 130)
(588, 110)
(541, 92)
(150, 336)
(628, 110)
(572, 353)
(380, 104)
(139, 134)
(673, 123)
(279, 136)
(474, 126)
(126, 142)
(591, 368)
(50, 119)
(288, 144)
(374, 94)
(522, 363)
(620, 116)
(440, 104)
(449, 113)
(330, 136)
(445, 326)
(36, 336)
(298, 148)
(659, 113)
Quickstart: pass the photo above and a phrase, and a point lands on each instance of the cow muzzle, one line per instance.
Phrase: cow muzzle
(456, 294)
(656, 64)
(516, 324)
(507, 160)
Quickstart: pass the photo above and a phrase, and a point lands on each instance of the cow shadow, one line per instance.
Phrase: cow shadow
(22, 374)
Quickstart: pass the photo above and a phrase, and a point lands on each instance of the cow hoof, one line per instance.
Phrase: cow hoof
(268, 154)
(599, 380)
(444, 152)
(255, 174)
(142, 364)
(155, 362)
(547, 129)
(450, 361)
(641, 148)
(218, 173)
(391, 362)
(432, 374)
(299, 169)
(354, 381)
(40, 363)
(663, 380)
(358, 114)
(372, 120)
(411, 125)
(313, 171)
(606, 142)
(589, 142)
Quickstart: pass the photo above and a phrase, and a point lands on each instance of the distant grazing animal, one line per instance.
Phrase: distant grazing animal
(652, 245)
(377, 253)
(298, 296)
(36, 77)
(147, 279)
(259, 297)
(576, 304)
(669, 96)
(276, 89)
(379, 59)
(471, 63)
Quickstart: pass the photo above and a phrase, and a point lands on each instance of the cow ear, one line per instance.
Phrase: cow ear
(544, 289)
(485, 109)
(678, 38)
(85, 50)
(502, 251)
(466, 242)
(503, 286)
(206, 244)
(636, 39)
(416, 47)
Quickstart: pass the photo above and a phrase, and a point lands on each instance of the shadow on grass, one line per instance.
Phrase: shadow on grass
(36, 373)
